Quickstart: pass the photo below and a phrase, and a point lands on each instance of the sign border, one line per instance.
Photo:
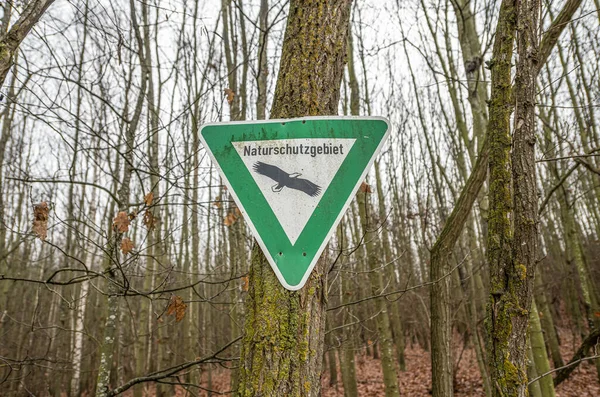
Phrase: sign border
(343, 211)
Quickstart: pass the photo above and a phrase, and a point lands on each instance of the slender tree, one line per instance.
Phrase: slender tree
(512, 238)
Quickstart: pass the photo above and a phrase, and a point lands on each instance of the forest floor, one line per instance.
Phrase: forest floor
(416, 380)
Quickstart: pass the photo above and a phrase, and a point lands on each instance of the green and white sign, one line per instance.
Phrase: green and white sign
(293, 180)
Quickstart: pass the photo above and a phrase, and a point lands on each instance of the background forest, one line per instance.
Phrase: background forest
(125, 265)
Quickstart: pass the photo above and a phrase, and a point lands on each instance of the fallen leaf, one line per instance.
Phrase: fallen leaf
(176, 307)
(149, 198)
(121, 222)
(230, 95)
(40, 220)
(126, 245)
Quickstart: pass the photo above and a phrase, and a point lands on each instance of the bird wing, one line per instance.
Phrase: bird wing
(271, 171)
(305, 186)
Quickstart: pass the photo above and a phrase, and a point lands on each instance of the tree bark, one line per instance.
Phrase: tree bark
(9, 42)
(284, 332)
(540, 355)
(512, 238)
(263, 65)
(442, 249)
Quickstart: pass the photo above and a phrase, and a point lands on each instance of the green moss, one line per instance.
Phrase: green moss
(512, 376)
(521, 271)
(307, 387)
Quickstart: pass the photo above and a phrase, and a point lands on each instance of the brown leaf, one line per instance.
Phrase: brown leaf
(121, 222)
(40, 220)
(132, 215)
(230, 95)
(126, 245)
(365, 188)
(230, 219)
(176, 307)
(150, 220)
(149, 198)
(246, 285)
(217, 202)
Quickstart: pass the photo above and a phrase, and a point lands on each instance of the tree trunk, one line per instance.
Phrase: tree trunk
(263, 65)
(540, 356)
(114, 284)
(512, 233)
(382, 318)
(347, 366)
(442, 250)
(284, 332)
(547, 321)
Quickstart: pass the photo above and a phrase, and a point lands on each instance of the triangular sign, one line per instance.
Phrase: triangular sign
(293, 180)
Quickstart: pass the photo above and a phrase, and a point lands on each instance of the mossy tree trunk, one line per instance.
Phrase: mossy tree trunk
(284, 332)
(444, 245)
(499, 227)
(512, 233)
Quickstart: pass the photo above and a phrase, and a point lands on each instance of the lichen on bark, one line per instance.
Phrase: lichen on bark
(512, 233)
(284, 331)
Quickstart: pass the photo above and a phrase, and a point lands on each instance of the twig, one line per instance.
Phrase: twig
(166, 373)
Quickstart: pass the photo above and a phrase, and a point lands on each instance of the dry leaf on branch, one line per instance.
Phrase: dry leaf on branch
(230, 95)
(176, 307)
(132, 215)
(246, 284)
(121, 222)
(231, 218)
(217, 202)
(365, 188)
(126, 245)
(150, 220)
(40, 220)
(148, 199)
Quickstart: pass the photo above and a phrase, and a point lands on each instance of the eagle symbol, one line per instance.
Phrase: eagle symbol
(284, 179)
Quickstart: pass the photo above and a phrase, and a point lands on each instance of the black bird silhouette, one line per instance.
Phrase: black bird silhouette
(284, 179)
